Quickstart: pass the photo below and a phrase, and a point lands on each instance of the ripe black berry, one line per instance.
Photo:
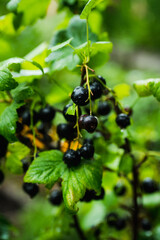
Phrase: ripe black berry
(88, 141)
(31, 189)
(119, 189)
(149, 185)
(102, 80)
(104, 108)
(56, 197)
(123, 120)
(1, 176)
(3, 146)
(96, 90)
(71, 158)
(87, 151)
(68, 117)
(89, 196)
(26, 118)
(112, 219)
(47, 114)
(19, 127)
(80, 96)
(88, 122)
(146, 225)
(66, 130)
(25, 165)
(120, 224)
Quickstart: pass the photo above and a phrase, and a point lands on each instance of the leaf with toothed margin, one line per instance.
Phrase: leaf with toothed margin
(49, 167)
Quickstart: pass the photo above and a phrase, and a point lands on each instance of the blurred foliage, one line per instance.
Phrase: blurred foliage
(26, 30)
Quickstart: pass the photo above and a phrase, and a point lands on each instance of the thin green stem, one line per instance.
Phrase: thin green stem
(89, 89)
(88, 44)
(77, 124)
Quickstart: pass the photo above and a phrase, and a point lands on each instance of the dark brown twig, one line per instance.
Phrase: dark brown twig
(78, 228)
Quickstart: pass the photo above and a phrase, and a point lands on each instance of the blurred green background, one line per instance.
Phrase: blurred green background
(134, 29)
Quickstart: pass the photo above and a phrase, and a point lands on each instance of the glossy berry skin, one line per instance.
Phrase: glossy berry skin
(119, 189)
(47, 114)
(72, 158)
(68, 117)
(88, 122)
(80, 96)
(120, 224)
(102, 80)
(88, 141)
(66, 130)
(96, 90)
(26, 118)
(112, 219)
(3, 146)
(149, 185)
(1, 176)
(146, 225)
(123, 120)
(31, 189)
(87, 151)
(104, 108)
(56, 197)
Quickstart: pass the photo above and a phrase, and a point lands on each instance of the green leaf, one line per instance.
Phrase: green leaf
(17, 151)
(65, 57)
(88, 8)
(76, 180)
(104, 47)
(8, 121)
(126, 164)
(71, 110)
(61, 45)
(6, 81)
(12, 5)
(22, 92)
(49, 167)
(9, 62)
(148, 87)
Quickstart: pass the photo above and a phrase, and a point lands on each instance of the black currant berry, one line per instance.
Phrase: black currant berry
(88, 122)
(119, 189)
(89, 196)
(149, 185)
(123, 120)
(66, 130)
(26, 118)
(87, 151)
(101, 196)
(3, 146)
(25, 165)
(31, 189)
(146, 225)
(102, 80)
(56, 197)
(104, 108)
(120, 224)
(112, 219)
(72, 158)
(80, 96)
(47, 114)
(1, 176)
(19, 127)
(68, 117)
(96, 90)
(88, 141)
